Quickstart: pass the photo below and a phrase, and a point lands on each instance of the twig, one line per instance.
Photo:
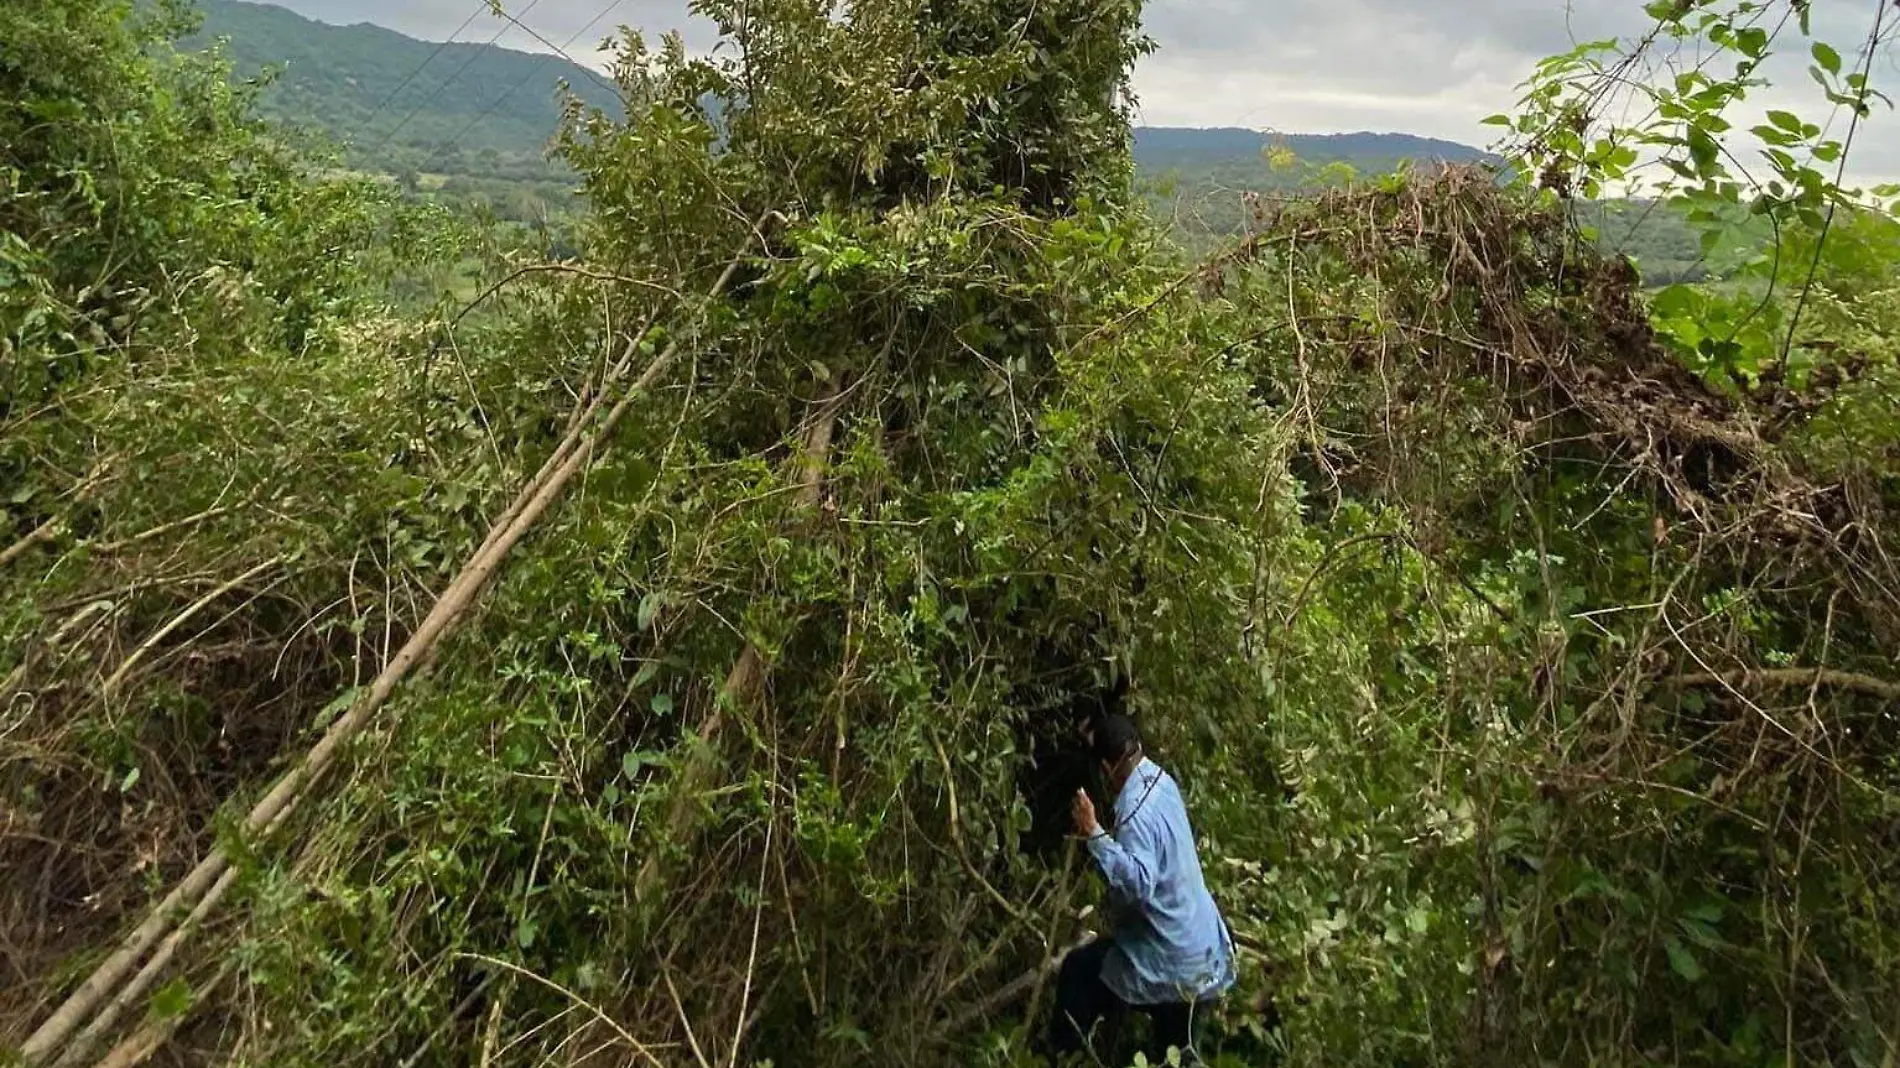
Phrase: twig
(963, 853)
(33, 537)
(1859, 109)
(454, 1014)
(1333, 554)
(679, 1006)
(492, 1033)
(164, 528)
(1008, 993)
(180, 620)
(638, 1047)
(562, 268)
(752, 957)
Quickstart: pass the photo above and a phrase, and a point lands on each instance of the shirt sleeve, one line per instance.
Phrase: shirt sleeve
(1130, 860)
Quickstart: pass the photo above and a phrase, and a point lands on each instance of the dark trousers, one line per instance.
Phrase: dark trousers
(1089, 1016)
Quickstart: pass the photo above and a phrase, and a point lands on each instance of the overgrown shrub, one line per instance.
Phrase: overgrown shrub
(1530, 678)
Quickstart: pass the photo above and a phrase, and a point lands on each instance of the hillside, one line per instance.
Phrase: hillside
(397, 103)
(1161, 148)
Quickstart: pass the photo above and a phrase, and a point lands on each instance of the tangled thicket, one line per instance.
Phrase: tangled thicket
(1534, 696)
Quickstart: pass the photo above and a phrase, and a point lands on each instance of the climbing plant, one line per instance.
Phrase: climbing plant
(1522, 640)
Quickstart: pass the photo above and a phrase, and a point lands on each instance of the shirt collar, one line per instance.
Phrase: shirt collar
(1140, 781)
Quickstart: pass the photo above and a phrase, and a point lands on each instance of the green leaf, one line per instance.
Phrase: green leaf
(1704, 151)
(662, 704)
(646, 673)
(1701, 933)
(1787, 120)
(1497, 120)
(1709, 911)
(649, 607)
(1681, 961)
(1829, 59)
(131, 779)
(337, 705)
(171, 1000)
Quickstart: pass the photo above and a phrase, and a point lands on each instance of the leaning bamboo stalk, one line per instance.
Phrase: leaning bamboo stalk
(137, 1047)
(576, 431)
(82, 1045)
(204, 881)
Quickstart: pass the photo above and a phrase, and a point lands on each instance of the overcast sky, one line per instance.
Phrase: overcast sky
(1430, 67)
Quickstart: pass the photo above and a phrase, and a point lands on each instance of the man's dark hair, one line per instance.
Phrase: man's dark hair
(1115, 737)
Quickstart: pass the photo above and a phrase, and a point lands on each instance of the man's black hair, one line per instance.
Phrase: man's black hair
(1115, 736)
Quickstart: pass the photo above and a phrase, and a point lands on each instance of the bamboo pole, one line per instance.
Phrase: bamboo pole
(204, 885)
(82, 1045)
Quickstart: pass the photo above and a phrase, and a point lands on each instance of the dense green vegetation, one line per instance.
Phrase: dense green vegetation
(1207, 185)
(660, 653)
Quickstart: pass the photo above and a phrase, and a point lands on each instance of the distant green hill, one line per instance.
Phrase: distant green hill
(1160, 149)
(1197, 178)
(396, 103)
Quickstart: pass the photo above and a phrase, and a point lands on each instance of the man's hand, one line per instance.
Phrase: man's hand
(1083, 811)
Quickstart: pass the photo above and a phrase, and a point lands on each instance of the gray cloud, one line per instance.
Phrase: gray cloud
(1431, 67)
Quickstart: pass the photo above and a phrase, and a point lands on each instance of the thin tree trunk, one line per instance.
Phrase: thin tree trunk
(744, 683)
(1771, 678)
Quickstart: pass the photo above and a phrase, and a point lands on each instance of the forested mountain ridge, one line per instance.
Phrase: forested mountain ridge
(1161, 148)
(398, 103)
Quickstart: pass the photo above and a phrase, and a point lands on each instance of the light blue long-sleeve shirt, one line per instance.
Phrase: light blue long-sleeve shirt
(1170, 943)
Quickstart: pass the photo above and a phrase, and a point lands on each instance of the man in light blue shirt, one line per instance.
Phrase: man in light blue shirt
(1169, 951)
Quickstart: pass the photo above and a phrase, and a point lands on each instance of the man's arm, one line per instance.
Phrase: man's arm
(1130, 862)
(1130, 858)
